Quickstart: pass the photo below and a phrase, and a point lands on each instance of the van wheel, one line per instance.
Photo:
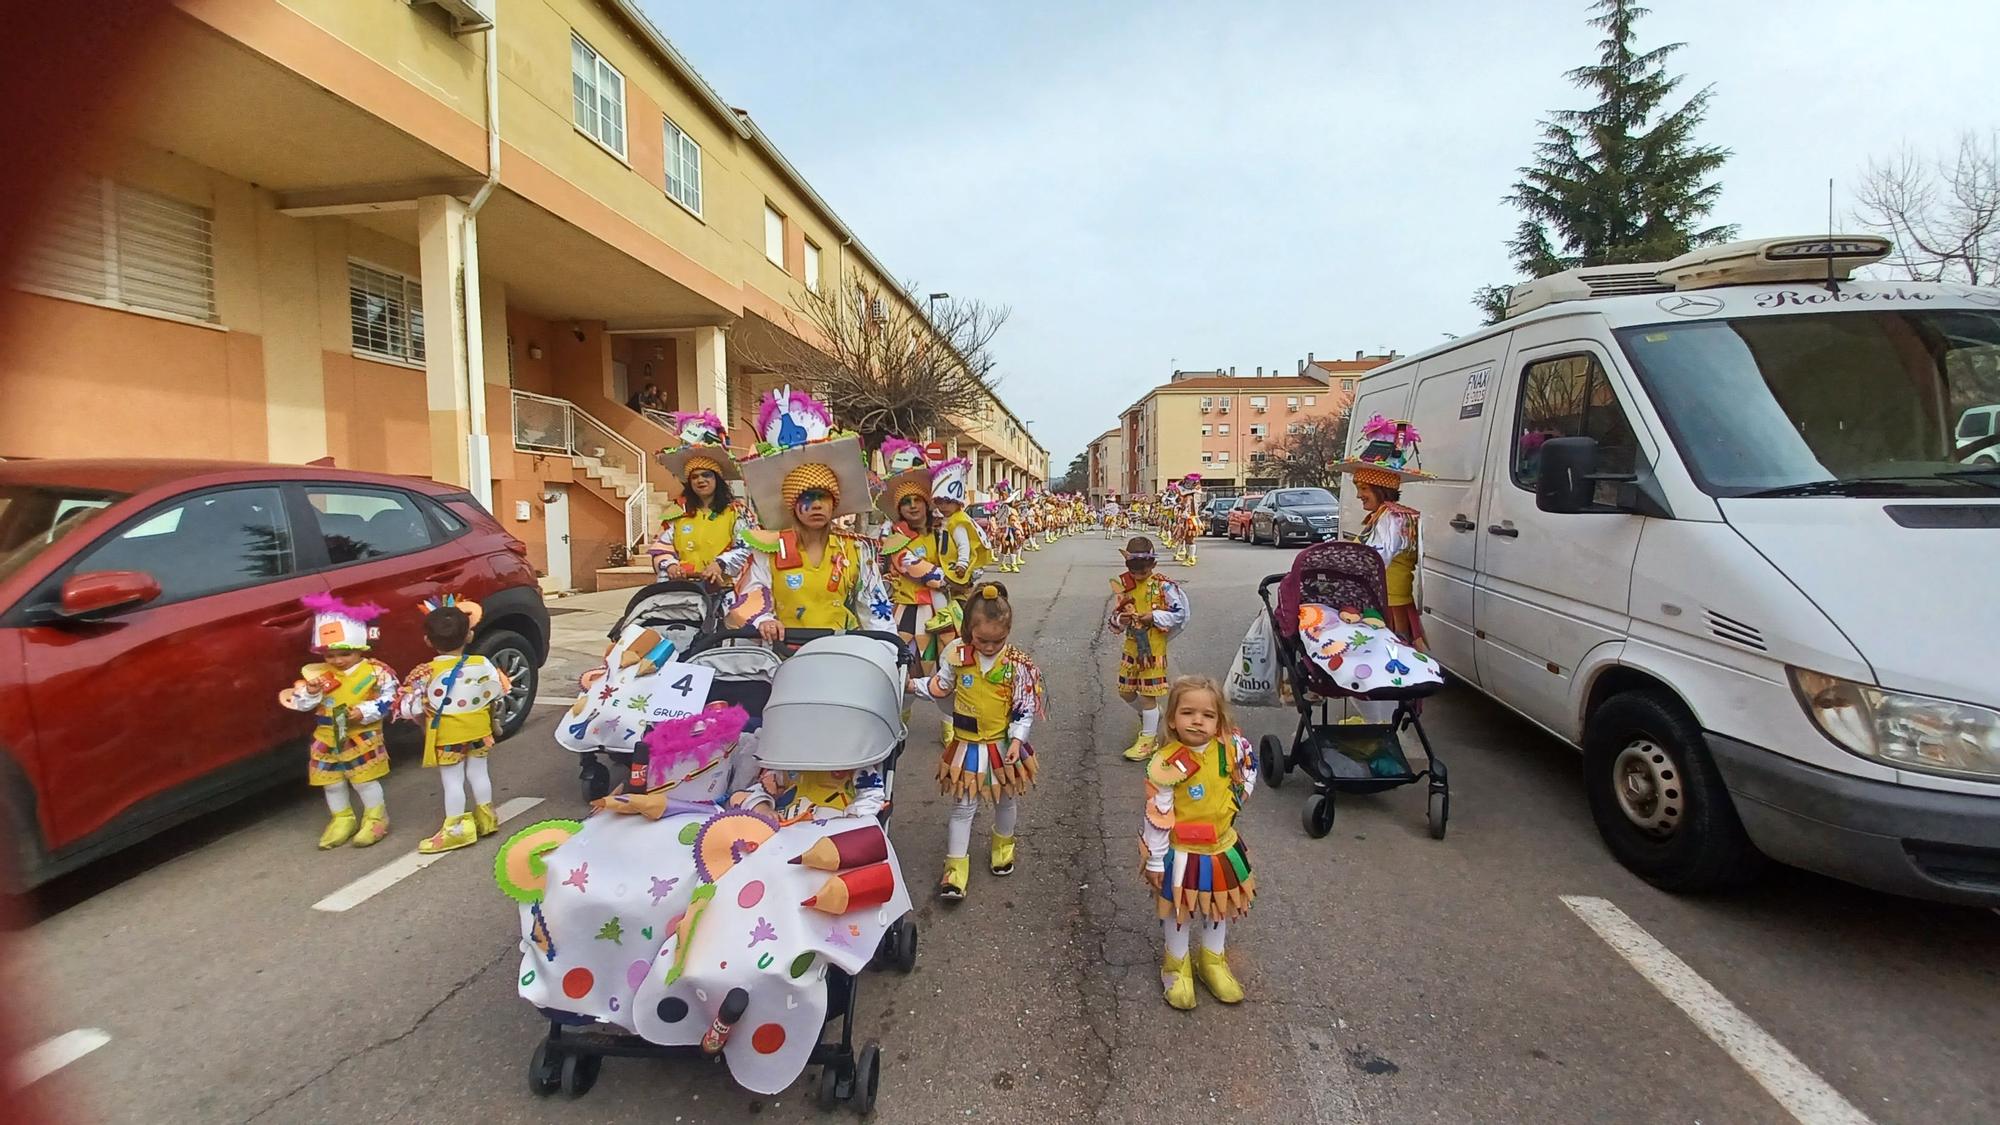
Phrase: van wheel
(515, 657)
(1659, 801)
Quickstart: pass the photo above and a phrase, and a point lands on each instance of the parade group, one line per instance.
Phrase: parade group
(806, 532)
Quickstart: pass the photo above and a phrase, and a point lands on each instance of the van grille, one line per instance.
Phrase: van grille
(1735, 632)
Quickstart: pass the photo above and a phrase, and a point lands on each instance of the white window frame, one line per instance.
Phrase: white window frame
(125, 248)
(600, 68)
(683, 160)
(1257, 429)
(412, 350)
(1222, 458)
(812, 266)
(1223, 429)
(777, 259)
(1311, 399)
(1205, 428)
(1207, 458)
(1258, 402)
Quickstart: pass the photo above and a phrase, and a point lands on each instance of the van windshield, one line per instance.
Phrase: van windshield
(1833, 403)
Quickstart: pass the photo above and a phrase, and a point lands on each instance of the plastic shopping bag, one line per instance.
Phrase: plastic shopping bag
(1253, 682)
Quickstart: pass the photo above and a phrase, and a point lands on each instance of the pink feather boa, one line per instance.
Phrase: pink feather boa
(697, 739)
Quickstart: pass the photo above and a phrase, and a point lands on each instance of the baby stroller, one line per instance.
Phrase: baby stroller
(679, 614)
(1342, 757)
(836, 698)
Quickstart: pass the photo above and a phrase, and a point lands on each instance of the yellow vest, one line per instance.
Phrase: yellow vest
(1203, 796)
(904, 590)
(1145, 597)
(981, 701)
(358, 685)
(816, 597)
(981, 554)
(446, 723)
(701, 537)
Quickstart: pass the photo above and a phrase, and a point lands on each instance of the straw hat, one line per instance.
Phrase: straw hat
(799, 450)
(1389, 459)
(701, 446)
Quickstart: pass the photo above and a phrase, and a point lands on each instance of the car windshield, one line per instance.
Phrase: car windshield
(1832, 403)
(34, 518)
(1301, 497)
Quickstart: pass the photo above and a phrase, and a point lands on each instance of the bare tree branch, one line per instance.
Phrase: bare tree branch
(1308, 457)
(1942, 212)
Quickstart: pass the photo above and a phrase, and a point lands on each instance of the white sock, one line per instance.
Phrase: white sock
(1149, 722)
(454, 790)
(336, 797)
(1213, 934)
(1006, 811)
(482, 782)
(958, 829)
(1176, 934)
(370, 793)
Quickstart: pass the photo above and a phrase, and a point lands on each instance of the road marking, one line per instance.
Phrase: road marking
(1804, 1094)
(404, 866)
(1330, 1084)
(49, 1056)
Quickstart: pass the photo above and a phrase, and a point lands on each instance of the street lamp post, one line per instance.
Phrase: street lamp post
(930, 310)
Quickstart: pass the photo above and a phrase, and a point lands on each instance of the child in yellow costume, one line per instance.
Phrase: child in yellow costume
(1194, 860)
(454, 697)
(1148, 610)
(996, 695)
(352, 694)
(910, 549)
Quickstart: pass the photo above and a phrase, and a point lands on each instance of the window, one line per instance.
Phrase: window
(1311, 399)
(1205, 428)
(368, 524)
(204, 545)
(1223, 457)
(1571, 397)
(1207, 457)
(774, 236)
(599, 93)
(1226, 400)
(122, 246)
(1223, 429)
(1207, 404)
(1258, 429)
(1291, 402)
(683, 169)
(1296, 428)
(1975, 424)
(1257, 402)
(812, 265)
(385, 314)
(1347, 385)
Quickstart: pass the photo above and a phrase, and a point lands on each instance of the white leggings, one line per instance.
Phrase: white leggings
(455, 777)
(1213, 934)
(336, 795)
(958, 830)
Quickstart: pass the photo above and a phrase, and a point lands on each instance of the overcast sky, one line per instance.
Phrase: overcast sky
(1208, 183)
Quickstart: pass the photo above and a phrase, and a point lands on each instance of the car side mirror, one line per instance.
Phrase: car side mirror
(1565, 485)
(89, 597)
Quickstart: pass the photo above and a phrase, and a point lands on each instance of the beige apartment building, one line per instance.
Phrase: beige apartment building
(1105, 458)
(1224, 426)
(446, 238)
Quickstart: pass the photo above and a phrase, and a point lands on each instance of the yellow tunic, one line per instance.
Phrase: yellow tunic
(816, 597)
(458, 724)
(702, 537)
(1142, 664)
(903, 589)
(344, 751)
(1207, 866)
(974, 763)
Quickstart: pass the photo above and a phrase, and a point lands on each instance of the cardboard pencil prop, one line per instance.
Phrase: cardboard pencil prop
(856, 847)
(855, 890)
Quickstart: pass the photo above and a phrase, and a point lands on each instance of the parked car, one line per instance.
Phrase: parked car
(1976, 427)
(1239, 516)
(149, 616)
(1720, 532)
(1215, 515)
(1286, 514)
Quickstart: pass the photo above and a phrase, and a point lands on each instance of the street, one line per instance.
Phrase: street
(1391, 977)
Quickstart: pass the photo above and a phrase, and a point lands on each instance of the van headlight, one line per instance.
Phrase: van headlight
(1914, 732)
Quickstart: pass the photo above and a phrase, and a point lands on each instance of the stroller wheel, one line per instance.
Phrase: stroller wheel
(1439, 812)
(867, 1079)
(544, 1071)
(1318, 815)
(579, 1073)
(595, 777)
(829, 1086)
(1272, 760)
(906, 946)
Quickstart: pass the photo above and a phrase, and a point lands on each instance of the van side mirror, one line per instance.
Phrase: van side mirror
(1565, 485)
(89, 597)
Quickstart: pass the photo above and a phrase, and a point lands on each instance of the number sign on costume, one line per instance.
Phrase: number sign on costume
(674, 692)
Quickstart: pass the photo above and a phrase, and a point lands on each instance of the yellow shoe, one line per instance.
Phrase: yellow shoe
(1177, 982)
(1213, 969)
(1003, 854)
(1142, 748)
(957, 869)
(374, 826)
(484, 820)
(338, 830)
(458, 832)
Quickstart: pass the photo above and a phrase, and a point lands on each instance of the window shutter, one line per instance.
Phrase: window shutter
(104, 242)
(74, 248)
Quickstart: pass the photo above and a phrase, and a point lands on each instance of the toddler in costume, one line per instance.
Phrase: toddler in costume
(352, 694)
(1195, 862)
(1148, 610)
(996, 694)
(454, 697)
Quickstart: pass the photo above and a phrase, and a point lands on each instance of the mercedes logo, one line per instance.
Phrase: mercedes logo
(1684, 304)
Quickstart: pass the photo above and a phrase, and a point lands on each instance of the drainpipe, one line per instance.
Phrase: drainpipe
(479, 456)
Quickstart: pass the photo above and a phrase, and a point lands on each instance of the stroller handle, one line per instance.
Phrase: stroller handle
(1264, 587)
(795, 639)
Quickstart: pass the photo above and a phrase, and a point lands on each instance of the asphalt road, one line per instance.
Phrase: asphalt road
(1391, 977)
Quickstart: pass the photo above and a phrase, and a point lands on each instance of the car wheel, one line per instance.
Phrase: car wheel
(23, 860)
(1659, 801)
(515, 657)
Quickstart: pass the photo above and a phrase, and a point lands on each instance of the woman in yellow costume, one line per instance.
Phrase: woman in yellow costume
(802, 573)
(1195, 862)
(352, 694)
(702, 533)
(1380, 471)
(911, 548)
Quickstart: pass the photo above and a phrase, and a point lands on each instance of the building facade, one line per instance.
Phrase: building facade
(1106, 461)
(373, 232)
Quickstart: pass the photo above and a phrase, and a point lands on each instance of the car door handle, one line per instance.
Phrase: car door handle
(1460, 523)
(287, 620)
(1509, 532)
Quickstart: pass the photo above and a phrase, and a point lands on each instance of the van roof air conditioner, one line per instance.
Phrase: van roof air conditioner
(1753, 262)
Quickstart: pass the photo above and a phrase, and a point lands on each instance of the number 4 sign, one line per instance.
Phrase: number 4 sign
(674, 692)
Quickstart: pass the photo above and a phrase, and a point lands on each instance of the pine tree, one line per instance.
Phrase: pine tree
(1622, 181)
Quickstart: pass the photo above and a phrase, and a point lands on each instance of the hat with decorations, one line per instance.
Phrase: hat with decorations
(800, 451)
(949, 479)
(908, 473)
(340, 627)
(702, 444)
(1390, 456)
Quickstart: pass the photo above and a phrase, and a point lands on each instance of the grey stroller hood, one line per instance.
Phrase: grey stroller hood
(837, 704)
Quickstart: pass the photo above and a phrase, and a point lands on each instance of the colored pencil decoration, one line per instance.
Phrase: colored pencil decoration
(855, 890)
(856, 847)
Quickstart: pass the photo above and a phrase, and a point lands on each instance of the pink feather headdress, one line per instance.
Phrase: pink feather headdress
(900, 455)
(697, 739)
(328, 604)
(788, 419)
(699, 427)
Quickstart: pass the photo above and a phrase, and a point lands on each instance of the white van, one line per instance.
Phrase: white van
(1711, 522)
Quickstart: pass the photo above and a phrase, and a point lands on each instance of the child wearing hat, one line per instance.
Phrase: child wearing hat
(1148, 611)
(352, 693)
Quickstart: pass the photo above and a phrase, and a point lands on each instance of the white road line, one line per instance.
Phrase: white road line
(1804, 1094)
(1329, 1081)
(51, 1055)
(404, 866)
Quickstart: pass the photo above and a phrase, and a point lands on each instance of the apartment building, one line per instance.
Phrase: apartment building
(409, 236)
(1224, 426)
(1105, 458)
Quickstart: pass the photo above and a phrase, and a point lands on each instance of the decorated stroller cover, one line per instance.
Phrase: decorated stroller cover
(1330, 606)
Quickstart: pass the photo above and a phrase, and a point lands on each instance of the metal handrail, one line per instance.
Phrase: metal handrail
(573, 428)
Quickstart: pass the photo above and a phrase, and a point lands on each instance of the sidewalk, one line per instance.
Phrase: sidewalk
(579, 627)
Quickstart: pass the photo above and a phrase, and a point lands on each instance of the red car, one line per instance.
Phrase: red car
(149, 616)
(1239, 516)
